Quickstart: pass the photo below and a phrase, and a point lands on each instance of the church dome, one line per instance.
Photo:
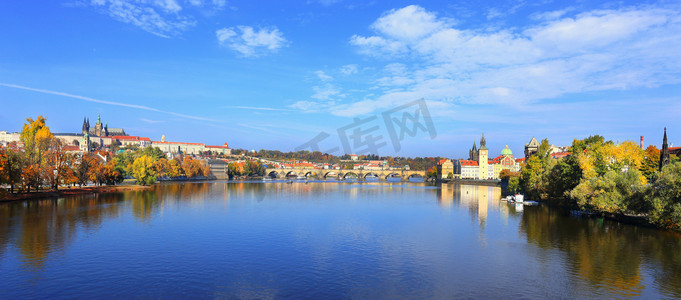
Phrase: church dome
(506, 151)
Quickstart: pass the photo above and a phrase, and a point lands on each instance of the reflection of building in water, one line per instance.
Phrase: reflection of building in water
(479, 198)
(445, 195)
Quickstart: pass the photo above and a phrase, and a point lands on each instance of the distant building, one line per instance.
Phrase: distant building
(8, 137)
(101, 130)
(482, 167)
(445, 169)
(531, 148)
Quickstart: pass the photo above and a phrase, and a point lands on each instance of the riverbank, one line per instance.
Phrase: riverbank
(44, 194)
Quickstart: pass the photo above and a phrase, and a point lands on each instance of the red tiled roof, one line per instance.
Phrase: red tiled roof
(468, 162)
(560, 154)
(520, 159)
(71, 148)
(127, 137)
(197, 144)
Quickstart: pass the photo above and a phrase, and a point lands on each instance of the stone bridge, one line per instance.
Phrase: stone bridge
(342, 174)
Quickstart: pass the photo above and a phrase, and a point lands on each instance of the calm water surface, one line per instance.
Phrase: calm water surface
(324, 241)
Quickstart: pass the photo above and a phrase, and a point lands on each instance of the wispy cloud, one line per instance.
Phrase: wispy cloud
(322, 76)
(150, 121)
(349, 69)
(84, 98)
(251, 42)
(164, 18)
(258, 108)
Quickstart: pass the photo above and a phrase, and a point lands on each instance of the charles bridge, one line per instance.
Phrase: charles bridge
(342, 174)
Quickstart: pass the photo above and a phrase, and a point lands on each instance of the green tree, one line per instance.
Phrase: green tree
(233, 169)
(153, 152)
(514, 184)
(664, 198)
(564, 176)
(143, 170)
(614, 192)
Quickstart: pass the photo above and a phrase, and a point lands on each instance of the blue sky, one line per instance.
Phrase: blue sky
(274, 75)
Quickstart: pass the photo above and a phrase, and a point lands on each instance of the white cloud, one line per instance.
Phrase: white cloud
(324, 92)
(596, 50)
(349, 69)
(169, 5)
(322, 76)
(377, 46)
(163, 18)
(408, 24)
(251, 42)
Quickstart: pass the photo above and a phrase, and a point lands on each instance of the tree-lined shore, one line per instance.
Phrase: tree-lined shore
(43, 164)
(605, 178)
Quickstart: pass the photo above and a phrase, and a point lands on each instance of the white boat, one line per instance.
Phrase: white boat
(509, 198)
(518, 198)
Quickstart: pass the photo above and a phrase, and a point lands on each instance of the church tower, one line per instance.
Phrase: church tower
(473, 153)
(86, 125)
(483, 161)
(664, 153)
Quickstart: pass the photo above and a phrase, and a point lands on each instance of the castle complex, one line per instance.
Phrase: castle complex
(100, 130)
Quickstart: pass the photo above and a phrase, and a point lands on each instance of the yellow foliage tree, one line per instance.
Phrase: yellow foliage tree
(36, 137)
(143, 170)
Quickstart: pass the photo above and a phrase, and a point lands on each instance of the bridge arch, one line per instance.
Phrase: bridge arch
(370, 175)
(330, 174)
(393, 174)
(416, 175)
(273, 174)
(348, 173)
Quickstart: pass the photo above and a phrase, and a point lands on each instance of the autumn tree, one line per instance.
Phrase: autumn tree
(112, 174)
(143, 170)
(233, 169)
(651, 162)
(83, 168)
(174, 168)
(56, 163)
(11, 167)
(36, 137)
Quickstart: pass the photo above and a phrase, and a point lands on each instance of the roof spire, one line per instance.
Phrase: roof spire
(483, 142)
(664, 153)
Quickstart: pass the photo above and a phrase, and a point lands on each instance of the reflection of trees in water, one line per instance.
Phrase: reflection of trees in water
(38, 228)
(608, 255)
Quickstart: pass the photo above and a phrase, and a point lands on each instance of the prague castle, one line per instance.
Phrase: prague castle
(100, 130)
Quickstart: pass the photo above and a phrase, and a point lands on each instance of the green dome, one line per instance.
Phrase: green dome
(506, 151)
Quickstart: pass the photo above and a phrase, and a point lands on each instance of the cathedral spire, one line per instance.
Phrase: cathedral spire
(483, 142)
(664, 153)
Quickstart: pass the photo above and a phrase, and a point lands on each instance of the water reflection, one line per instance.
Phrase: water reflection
(612, 256)
(348, 239)
(39, 228)
(479, 199)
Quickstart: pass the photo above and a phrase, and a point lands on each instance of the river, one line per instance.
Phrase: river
(371, 240)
